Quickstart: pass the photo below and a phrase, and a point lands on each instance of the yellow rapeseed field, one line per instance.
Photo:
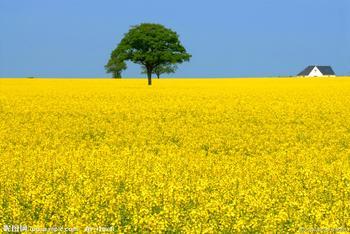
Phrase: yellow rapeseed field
(190, 156)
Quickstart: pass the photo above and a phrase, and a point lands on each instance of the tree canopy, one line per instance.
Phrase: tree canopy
(162, 69)
(150, 45)
(115, 66)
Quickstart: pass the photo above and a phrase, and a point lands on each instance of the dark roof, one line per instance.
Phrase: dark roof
(325, 70)
(306, 71)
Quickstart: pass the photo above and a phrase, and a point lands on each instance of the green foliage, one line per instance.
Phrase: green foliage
(161, 69)
(149, 45)
(115, 66)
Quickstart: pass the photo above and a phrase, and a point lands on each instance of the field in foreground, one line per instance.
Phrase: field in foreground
(208, 156)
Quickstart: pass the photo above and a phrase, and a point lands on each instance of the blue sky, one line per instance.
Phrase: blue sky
(74, 38)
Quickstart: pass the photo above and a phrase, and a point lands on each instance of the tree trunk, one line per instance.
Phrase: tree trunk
(158, 75)
(149, 75)
(117, 75)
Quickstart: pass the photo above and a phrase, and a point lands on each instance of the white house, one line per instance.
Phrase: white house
(317, 71)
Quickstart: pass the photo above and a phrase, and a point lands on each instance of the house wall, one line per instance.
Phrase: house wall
(315, 73)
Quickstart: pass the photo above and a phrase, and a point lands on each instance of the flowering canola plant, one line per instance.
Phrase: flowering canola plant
(191, 156)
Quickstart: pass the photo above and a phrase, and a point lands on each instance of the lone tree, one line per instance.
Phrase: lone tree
(161, 69)
(149, 45)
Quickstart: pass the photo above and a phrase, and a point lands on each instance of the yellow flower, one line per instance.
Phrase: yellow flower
(192, 156)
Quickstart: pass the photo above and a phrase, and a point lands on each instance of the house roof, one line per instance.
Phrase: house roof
(325, 70)
(306, 71)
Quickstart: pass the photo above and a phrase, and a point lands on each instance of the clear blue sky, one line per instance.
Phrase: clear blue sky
(74, 38)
